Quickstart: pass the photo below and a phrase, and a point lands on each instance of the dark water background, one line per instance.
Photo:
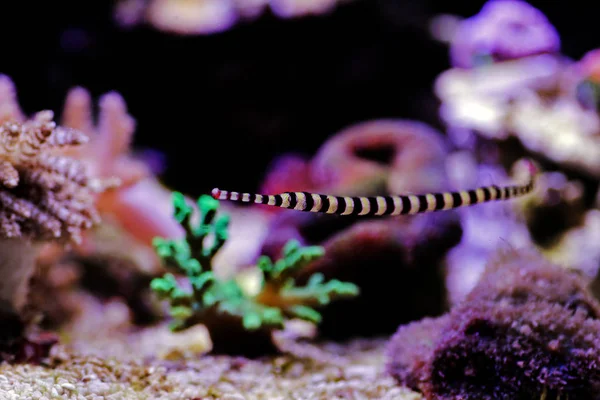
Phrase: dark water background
(221, 107)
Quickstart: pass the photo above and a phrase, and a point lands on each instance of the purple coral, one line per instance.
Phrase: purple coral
(503, 30)
(529, 329)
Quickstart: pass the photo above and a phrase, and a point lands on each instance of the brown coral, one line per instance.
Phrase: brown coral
(46, 195)
(529, 329)
(131, 213)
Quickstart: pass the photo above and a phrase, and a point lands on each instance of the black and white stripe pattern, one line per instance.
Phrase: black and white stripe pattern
(379, 205)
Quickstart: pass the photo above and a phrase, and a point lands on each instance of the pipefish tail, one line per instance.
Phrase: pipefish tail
(383, 205)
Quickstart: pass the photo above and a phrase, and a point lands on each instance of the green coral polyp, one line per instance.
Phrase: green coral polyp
(294, 258)
(318, 290)
(279, 297)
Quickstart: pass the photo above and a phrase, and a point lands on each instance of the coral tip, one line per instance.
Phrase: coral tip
(533, 170)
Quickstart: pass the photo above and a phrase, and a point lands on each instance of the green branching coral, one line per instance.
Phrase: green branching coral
(207, 297)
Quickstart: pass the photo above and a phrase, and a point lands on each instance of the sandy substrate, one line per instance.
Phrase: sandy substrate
(103, 356)
(71, 375)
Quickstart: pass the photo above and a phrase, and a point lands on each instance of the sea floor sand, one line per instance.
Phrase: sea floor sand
(102, 356)
(73, 374)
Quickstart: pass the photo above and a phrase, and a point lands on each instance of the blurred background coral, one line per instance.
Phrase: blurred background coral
(230, 101)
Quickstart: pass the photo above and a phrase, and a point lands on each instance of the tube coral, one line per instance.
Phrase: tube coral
(529, 329)
(223, 305)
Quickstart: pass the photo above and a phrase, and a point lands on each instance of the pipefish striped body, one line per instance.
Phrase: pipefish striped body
(383, 205)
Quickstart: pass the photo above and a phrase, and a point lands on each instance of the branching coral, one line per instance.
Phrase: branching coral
(47, 195)
(9, 107)
(132, 214)
(140, 205)
(213, 300)
(44, 196)
(105, 151)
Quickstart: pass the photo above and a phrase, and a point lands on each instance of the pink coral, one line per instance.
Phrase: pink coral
(589, 65)
(140, 204)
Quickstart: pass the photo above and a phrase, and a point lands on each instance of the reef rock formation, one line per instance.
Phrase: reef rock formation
(529, 329)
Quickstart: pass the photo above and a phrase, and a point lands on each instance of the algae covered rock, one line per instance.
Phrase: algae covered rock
(529, 329)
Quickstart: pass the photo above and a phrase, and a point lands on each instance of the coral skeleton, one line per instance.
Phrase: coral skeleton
(213, 300)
